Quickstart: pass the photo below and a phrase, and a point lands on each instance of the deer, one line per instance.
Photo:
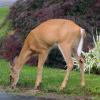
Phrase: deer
(66, 34)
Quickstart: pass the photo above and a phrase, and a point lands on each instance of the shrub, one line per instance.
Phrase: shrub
(10, 46)
(92, 58)
(24, 15)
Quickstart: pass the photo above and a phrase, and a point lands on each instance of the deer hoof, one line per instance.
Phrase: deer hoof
(13, 86)
(62, 88)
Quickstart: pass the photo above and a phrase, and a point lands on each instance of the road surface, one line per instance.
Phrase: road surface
(6, 96)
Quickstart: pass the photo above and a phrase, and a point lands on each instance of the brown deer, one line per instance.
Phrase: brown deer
(64, 33)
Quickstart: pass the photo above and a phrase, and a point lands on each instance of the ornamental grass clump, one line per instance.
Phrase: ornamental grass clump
(92, 58)
(92, 63)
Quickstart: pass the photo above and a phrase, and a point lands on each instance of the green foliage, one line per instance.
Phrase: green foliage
(3, 12)
(92, 58)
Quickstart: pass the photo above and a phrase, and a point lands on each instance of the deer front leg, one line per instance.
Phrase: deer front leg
(17, 66)
(41, 59)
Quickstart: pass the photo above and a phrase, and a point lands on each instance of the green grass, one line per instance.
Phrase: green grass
(3, 13)
(52, 79)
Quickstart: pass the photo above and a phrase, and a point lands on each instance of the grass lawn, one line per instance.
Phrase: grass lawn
(3, 12)
(52, 79)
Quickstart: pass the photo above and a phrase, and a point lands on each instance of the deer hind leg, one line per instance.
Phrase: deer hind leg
(80, 60)
(66, 52)
(81, 64)
(41, 60)
(18, 66)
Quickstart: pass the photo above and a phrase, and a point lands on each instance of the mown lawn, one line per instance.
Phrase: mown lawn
(3, 13)
(52, 79)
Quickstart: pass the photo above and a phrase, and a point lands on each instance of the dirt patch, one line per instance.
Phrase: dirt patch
(53, 96)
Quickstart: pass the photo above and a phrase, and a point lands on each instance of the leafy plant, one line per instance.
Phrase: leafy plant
(92, 58)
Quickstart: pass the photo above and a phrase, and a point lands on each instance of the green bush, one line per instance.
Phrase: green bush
(92, 58)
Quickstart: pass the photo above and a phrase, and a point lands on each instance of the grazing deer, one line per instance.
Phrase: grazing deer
(64, 33)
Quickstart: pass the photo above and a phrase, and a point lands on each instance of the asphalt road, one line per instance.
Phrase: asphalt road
(5, 96)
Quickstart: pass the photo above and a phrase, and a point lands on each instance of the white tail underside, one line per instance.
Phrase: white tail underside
(79, 50)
